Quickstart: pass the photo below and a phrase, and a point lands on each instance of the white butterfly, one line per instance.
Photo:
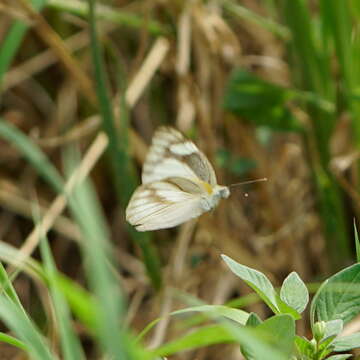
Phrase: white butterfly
(178, 184)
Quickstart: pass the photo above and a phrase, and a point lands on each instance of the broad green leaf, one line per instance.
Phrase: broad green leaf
(357, 243)
(259, 101)
(333, 328)
(348, 342)
(284, 308)
(256, 280)
(340, 357)
(280, 329)
(294, 292)
(253, 320)
(304, 347)
(277, 331)
(338, 297)
(247, 91)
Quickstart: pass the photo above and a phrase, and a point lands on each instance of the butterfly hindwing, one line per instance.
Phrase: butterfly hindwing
(172, 155)
(164, 204)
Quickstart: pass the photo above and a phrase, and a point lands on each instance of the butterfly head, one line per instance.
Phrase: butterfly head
(221, 191)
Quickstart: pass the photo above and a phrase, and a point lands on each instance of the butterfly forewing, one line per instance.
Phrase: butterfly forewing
(164, 204)
(172, 155)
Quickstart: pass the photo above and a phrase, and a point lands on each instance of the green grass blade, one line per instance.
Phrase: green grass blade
(20, 324)
(82, 302)
(120, 160)
(109, 14)
(32, 153)
(13, 341)
(346, 39)
(312, 66)
(12, 41)
(244, 13)
(7, 286)
(71, 347)
(103, 283)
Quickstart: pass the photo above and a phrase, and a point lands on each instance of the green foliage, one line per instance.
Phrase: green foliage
(260, 102)
(235, 165)
(294, 292)
(118, 150)
(335, 303)
(337, 298)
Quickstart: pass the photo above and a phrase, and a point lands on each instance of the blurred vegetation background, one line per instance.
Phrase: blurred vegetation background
(266, 88)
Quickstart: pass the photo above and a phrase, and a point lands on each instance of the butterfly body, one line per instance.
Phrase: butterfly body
(178, 184)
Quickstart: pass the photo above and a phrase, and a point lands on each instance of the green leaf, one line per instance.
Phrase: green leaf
(340, 357)
(348, 342)
(277, 331)
(253, 320)
(284, 308)
(338, 297)
(280, 329)
(259, 101)
(294, 292)
(304, 347)
(256, 280)
(235, 165)
(357, 243)
(333, 328)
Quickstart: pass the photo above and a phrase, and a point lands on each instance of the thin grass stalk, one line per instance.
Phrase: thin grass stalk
(102, 280)
(312, 68)
(34, 155)
(118, 151)
(12, 41)
(70, 343)
(347, 48)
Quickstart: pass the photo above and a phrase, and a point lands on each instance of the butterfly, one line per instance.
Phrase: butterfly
(178, 184)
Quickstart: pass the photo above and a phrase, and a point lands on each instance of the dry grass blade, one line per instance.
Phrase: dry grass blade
(13, 200)
(60, 49)
(45, 59)
(57, 207)
(135, 89)
(147, 70)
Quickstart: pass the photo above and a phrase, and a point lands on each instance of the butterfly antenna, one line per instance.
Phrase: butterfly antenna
(248, 182)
